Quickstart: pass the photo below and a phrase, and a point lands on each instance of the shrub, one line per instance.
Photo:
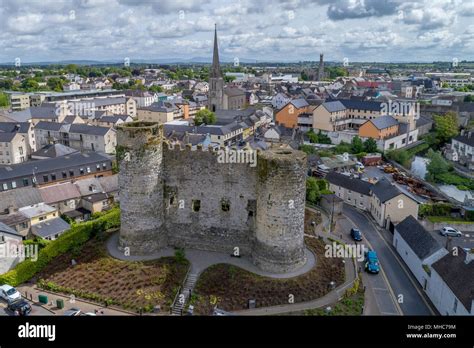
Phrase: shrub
(70, 240)
(180, 256)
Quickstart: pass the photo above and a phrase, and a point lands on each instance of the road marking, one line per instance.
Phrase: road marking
(392, 293)
(415, 285)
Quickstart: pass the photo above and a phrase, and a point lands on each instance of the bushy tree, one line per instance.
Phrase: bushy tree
(446, 126)
(204, 116)
(357, 145)
(437, 165)
(312, 190)
(370, 145)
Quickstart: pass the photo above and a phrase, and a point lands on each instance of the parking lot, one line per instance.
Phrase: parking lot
(466, 241)
(35, 309)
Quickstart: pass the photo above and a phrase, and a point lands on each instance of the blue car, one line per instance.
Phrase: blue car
(356, 235)
(372, 262)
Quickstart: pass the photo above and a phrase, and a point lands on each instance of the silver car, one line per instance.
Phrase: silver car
(449, 231)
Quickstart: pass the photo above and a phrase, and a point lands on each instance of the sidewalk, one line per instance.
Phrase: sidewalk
(341, 232)
(31, 293)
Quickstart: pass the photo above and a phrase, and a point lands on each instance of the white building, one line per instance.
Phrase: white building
(418, 248)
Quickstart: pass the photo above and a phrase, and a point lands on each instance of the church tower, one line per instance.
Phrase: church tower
(216, 81)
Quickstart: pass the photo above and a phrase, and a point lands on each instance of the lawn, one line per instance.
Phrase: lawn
(98, 277)
(435, 219)
(229, 287)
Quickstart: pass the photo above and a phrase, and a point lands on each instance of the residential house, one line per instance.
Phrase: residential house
(9, 238)
(418, 248)
(452, 282)
(351, 190)
(464, 146)
(54, 170)
(158, 112)
(63, 196)
(389, 205)
(19, 101)
(381, 127)
(77, 136)
(288, 115)
(50, 229)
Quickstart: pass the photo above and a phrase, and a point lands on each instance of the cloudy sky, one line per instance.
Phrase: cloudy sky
(359, 30)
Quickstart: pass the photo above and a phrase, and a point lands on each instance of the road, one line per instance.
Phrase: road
(402, 283)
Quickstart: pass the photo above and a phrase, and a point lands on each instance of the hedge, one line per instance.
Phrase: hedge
(75, 237)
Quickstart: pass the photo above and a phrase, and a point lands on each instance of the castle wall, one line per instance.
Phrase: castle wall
(179, 197)
(281, 191)
(197, 176)
(140, 156)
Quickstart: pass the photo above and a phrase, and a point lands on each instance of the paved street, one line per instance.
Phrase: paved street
(401, 281)
(466, 241)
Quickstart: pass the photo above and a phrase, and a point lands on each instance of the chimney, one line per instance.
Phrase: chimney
(469, 135)
(462, 132)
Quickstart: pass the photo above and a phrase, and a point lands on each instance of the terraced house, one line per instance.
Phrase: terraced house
(76, 136)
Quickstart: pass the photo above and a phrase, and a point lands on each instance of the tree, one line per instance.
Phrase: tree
(312, 190)
(4, 100)
(312, 136)
(357, 145)
(204, 116)
(437, 166)
(446, 126)
(308, 149)
(156, 89)
(370, 145)
(469, 99)
(55, 83)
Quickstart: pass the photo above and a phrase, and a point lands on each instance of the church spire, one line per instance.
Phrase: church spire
(216, 68)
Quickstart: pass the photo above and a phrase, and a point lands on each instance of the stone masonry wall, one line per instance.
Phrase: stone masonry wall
(172, 196)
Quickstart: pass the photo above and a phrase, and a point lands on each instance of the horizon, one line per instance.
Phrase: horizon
(388, 31)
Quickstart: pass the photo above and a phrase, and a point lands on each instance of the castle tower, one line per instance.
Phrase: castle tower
(140, 157)
(279, 236)
(216, 81)
(321, 67)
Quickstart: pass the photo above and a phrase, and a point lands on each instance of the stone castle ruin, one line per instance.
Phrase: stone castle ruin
(179, 197)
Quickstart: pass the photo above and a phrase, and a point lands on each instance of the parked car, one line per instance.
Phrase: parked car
(72, 312)
(449, 231)
(372, 262)
(356, 234)
(19, 307)
(9, 293)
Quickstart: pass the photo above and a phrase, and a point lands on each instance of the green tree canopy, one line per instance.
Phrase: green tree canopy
(370, 145)
(313, 193)
(357, 145)
(446, 126)
(205, 116)
(437, 166)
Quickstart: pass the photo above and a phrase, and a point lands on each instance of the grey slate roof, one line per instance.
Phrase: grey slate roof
(384, 190)
(50, 227)
(20, 197)
(458, 275)
(350, 183)
(465, 139)
(383, 122)
(26, 168)
(418, 239)
(299, 103)
(5, 229)
(13, 127)
(6, 137)
(90, 130)
(54, 150)
(361, 104)
(334, 106)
